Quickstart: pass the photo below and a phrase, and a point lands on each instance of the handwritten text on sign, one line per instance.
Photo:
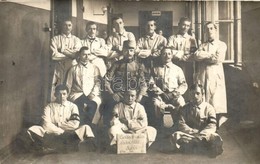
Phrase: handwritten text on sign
(131, 143)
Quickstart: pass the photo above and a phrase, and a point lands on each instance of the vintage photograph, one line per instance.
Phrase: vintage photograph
(129, 81)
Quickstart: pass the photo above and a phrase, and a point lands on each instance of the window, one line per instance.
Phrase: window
(227, 15)
(226, 27)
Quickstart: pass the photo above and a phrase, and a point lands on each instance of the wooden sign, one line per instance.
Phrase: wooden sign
(131, 143)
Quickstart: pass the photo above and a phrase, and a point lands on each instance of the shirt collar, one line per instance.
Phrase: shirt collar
(132, 106)
(83, 64)
(91, 38)
(151, 37)
(67, 36)
(186, 35)
(170, 64)
(212, 41)
(66, 103)
(121, 34)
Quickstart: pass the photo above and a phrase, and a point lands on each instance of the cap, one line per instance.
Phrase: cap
(128, 44)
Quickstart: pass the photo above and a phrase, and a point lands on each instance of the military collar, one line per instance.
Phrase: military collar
(128, 60)
(200, 106)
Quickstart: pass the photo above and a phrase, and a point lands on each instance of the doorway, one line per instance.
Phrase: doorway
(62, 9)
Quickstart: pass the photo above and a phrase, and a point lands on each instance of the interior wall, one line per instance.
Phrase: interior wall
(42, 4)
(24, 67)
(250, 30)
(93, 11)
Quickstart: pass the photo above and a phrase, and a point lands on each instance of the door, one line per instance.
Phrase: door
(62, 9)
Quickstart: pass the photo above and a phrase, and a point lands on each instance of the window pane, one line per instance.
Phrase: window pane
(225, 10)
(226, 34)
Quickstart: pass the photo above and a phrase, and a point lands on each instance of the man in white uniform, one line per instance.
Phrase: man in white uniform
(130, 117)
(60, 130)
(210, 72)
(63, 52)
(97, 47)
(184, 45)
(116, 40)
(149, 46)
(83, 81)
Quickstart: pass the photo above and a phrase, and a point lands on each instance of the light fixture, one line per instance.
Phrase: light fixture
(104, 10)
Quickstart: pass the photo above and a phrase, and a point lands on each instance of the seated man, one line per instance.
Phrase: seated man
(171, 81)
(197, 125)
(83, 81)
(125, 74)
(130, 117)
(60, 130)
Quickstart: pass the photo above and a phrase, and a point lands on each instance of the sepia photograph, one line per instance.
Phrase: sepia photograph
(129, 81)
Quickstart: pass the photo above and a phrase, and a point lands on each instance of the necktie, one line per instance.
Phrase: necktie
(120, 39)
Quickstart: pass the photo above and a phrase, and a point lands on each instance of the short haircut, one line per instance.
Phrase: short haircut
(130, 90)
(194, 86)
(183, 19)
(90, 23)
(116, 18)
(166, 47)
(60, 87)
(215, 26)
(83, 48)
(151, 19)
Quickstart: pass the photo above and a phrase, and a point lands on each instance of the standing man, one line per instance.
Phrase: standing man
(197, 126)
(171, 81)
(83, 81)
(149, 47)
(184, 45)
(63, 52)
(60, 130)
(210, 73)
(97, 47)
(116, 40)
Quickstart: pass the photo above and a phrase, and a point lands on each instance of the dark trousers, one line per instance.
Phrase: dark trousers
(87, 109)
(107, 108)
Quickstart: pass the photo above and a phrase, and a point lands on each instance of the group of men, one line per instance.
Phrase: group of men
(128, 86)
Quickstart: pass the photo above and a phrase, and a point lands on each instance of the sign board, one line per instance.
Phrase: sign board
(131, 143)
(156, 13)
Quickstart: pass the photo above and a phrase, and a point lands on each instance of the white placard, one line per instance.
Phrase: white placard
(131, 143)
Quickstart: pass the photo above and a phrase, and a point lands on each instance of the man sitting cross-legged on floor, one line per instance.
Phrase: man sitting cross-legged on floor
(197, 126)
(60, 131)
(130, 117)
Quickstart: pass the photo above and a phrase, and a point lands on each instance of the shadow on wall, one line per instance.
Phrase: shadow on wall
(241, 96)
